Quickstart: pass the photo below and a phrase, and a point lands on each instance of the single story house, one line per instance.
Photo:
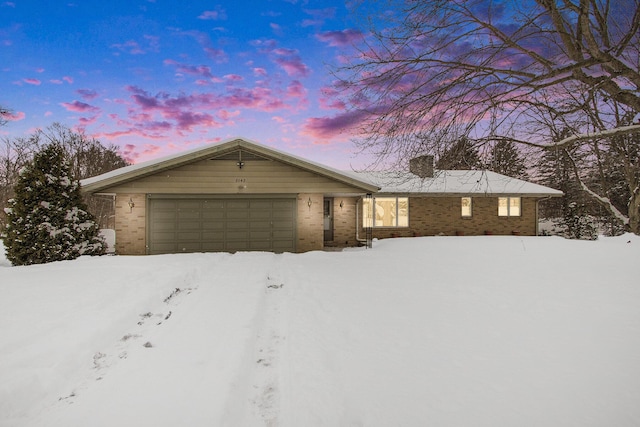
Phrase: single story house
(239, 195)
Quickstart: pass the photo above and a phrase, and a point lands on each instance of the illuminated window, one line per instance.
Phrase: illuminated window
(508, 206)
(465, 205)
(385, 212)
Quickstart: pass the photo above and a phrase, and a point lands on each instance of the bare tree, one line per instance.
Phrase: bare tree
(87, 157)
(496, 71)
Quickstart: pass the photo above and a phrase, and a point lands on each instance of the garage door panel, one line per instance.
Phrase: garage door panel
(213, 205)
(283, 246)
(186, 215)
(181, 225)
(212, 225)
(237, 204)
(283, 215)
(234, 246)
(258, 215)
(260, 204)
(257, 245)
(185, 236)
(260, 235)
(217, 215)
(237, 235)
(282, 234)
(280, 225)
(217, 236)
(235, 225)
(189, 204)
(259, 225)
(216, 246)
(165, 215)
(189, 247)
(193, 225)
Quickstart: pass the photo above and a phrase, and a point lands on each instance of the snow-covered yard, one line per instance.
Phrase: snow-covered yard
(439, 331)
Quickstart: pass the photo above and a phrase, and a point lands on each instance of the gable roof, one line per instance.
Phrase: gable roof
(227, 147)
(457, 182)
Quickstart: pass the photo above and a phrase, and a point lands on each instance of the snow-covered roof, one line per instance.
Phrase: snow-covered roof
(139, 170)
(458, 182)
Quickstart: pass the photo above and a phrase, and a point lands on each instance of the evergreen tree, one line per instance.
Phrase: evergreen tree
(506, 159)
(47, 220)
(463, 155)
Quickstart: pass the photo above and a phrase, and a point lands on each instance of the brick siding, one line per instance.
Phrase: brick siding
(130, 224)
(429, 216)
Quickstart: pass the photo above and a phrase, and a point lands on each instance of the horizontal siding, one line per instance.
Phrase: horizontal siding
(224, 177)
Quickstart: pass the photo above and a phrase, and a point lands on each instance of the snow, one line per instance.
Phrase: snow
(465, 182)
(443, 331)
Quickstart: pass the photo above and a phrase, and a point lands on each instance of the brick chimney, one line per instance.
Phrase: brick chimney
(422, 166)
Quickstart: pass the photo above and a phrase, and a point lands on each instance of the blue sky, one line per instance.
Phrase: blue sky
(157, 76)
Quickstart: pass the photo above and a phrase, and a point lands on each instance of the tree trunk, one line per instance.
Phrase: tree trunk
(634, 212)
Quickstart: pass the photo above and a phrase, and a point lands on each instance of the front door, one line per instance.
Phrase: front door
(328, 220)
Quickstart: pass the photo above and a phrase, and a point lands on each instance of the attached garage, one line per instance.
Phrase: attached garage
(221, 224)
(232, 196)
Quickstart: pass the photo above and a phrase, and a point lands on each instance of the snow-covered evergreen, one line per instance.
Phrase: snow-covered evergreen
(47, 220)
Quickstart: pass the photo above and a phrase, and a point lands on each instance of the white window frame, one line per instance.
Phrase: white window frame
(369, 212)
(468, 212)
(511, 209)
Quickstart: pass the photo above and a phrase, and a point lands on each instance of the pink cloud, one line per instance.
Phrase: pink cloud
(79, 107)
(131, 152)
(293, 67)
(227, 115)
(259, 72)
(48, 114)
(34, 82)
(325, 128)
(39, 70)
(194, 70)
(130, 46)
(14, 117)
(288, 59)
(320, 15)
(85, 121)
(234, 77)
(330, 99)
(296, 89)
(218, 55)
(213, 15)
(277, 29)
(56, 81)
(87, 94)
(340, 38)
(68, 79)
(258, 98)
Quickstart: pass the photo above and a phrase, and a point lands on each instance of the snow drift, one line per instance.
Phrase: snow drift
(451, 331)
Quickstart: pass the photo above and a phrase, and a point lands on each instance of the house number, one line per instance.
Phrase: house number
(241, 179)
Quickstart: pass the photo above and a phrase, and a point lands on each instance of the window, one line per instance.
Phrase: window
(465, 205)
(508, 206)
(385, 212)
